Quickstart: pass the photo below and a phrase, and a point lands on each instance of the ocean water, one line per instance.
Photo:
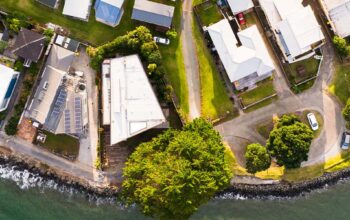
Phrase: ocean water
(30, 197)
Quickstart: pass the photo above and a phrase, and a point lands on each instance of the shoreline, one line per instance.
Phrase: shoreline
(21, 163)
(281, 189)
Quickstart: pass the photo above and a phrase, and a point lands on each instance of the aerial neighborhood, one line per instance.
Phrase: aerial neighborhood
(158, 98)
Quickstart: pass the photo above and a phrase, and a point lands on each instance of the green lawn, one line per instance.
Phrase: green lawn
(209, 14)
(264, 89)
(310, 65)
(62, 144)
(174, 65)
(341, 83)
(215, 102)
(93, 32)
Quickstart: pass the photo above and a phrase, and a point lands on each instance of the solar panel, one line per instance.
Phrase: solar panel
(77, 114)
(67, 121)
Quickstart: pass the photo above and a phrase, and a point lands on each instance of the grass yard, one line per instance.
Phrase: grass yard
(319, 118)
(93, 32)
(62, 144)
(341, 83)
(215, 101)
(264, 89)
(310, 66)
(265, 128)
(174, 65)
(209, 13)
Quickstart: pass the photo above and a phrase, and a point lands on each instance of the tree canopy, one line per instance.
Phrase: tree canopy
(346, 113)
(290, 141)
(257, 158)
(172, 175)
(341, 46)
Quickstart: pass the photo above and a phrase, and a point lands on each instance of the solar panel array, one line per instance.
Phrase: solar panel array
(67, 121)
(57, 110)
(78, 112)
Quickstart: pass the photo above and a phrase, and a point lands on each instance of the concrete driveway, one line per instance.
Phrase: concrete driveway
(242, 130)
(88, 145)
(190, 60)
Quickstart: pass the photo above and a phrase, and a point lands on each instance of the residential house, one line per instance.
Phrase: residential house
(154, 13)
(129, 104)
(238, 6)
(49, 3)
(77, 9)
(29, 45)
(296, 29)
(109, 12)
(246, 60)
(338, 13)
(8, 82)
(59, 104)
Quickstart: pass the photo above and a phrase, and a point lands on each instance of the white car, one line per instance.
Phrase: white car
(161, 40)
(312, 121)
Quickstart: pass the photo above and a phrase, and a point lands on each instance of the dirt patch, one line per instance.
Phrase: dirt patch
(26, 130)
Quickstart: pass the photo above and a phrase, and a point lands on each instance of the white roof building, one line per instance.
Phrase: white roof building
(338, 11)
(129, 103)
(298, 32)
(7, 83)
(238, 6)
(77, 8)
(250, 58)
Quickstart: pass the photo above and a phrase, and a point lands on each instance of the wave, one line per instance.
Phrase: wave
(26, 180)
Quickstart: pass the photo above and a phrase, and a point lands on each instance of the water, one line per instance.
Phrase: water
(27, 196)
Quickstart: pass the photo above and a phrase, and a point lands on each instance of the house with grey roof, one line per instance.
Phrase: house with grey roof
(153, 13)
(49, 3)
(29, 45)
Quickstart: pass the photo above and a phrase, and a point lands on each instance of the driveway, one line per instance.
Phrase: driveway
(191, 60)
(88, 145)
(242, 130)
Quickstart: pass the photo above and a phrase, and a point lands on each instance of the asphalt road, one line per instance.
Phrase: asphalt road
(243, 130)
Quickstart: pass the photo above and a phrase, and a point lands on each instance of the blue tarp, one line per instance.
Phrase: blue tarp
(106, 12)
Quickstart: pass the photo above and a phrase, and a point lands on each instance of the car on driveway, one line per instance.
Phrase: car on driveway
(345, 141)
(241, 19)
(312, 121)
(161, 40)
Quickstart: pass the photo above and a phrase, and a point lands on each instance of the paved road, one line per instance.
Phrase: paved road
(191, 61)
(242, 130)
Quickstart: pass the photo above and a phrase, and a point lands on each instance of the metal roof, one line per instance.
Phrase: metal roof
(153, 13)
(109, 11)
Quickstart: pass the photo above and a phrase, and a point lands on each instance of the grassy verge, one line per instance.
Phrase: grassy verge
(62, 144)
(215, 102)
(174, 65)
(341, 83)
(319, 118)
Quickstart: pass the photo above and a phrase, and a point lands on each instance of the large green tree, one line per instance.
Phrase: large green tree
(172, 175)
(257, 158)
(341, 46)
(290, 141)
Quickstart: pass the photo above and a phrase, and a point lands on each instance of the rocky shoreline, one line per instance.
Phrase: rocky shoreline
(285, 189)
(281, 189)
(22, 163)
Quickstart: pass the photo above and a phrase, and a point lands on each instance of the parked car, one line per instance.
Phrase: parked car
(312, 121)
(345, 141)
(161, 40)
(241, 19)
